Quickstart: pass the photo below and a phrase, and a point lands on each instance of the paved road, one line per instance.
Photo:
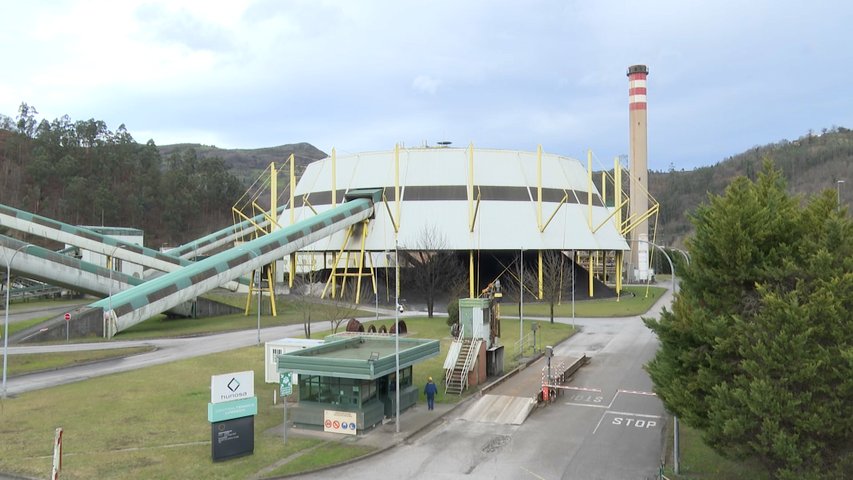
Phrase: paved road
(613, 430)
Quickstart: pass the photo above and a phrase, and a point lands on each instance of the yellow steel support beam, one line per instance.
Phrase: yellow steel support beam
(476, 211)
(617, 192)
(470, 187)
(471, 292)
(332, 277)
(591, 276)
(619, 255)
(541, 288)
(613, 213)
(397, 187)
(361, 260)
(271, 288)
(562, 202)
(334, 179)
(539, 188)
(589, 185)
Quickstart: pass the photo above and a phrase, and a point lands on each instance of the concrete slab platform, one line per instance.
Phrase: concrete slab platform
(502, 409)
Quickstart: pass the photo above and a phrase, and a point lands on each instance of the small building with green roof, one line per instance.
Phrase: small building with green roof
(355, 373)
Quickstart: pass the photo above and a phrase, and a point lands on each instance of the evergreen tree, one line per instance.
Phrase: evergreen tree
(758, 350)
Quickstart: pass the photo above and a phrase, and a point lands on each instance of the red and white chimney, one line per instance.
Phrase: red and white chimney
(639, 168)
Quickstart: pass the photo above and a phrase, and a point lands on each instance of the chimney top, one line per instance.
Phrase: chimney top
(638, 69)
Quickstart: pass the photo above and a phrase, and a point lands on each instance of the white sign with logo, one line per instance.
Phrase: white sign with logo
(339, 422)
(232, 386)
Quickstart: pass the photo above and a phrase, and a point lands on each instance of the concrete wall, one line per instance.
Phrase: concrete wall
(85, 322)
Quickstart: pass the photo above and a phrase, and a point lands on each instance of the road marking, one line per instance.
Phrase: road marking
(621, 413)
(638, 392)
(528, 471)
(586, 405)
(582, 389)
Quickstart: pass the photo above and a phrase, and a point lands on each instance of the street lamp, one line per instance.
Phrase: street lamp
(675, 453)
(838, 193)
(6, 328)
(397, 330)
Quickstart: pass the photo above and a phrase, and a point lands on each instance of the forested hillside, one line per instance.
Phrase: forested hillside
(81, 172)
(810, 164)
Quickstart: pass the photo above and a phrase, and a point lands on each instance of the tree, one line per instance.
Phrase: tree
(758, 349)
(435, 269)
(554, 271)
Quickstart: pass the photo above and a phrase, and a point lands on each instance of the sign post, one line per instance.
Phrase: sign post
(286, 386)
(67, 321)
(231, 413)
(57, 453)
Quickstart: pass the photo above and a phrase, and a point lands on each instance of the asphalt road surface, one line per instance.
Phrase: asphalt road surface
(608, 425)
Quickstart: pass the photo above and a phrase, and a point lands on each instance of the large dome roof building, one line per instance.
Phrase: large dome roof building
(461, 199)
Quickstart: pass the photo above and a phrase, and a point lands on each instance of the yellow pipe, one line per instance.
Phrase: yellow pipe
(539, 188)
(334, 182)
(471, 274)
(604, 188)
(541, 288)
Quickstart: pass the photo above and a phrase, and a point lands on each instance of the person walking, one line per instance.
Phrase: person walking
(430, 390)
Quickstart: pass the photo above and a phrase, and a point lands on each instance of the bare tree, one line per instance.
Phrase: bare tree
(555, 270)
(306, 289)
(435, 269)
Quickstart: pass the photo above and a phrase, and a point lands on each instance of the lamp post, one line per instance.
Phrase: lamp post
(397, 331)
(6, 327)
(521, 307)
(838, 193)
(675, 452)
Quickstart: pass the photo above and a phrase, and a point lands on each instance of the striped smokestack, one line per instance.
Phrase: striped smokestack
(639, 167)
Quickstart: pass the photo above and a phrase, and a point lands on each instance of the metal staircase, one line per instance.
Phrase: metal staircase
(456, 369)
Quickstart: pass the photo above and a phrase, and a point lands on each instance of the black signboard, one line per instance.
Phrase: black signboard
(232, 438)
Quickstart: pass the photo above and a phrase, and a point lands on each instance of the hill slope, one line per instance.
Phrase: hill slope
(810, 164)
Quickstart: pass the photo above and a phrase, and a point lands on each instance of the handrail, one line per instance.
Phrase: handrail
(448, 373)
(469, 362)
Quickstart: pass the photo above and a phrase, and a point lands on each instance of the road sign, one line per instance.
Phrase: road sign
(285, 382)
(67, 317)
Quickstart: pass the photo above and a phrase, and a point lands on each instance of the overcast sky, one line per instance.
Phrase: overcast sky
(364, 75)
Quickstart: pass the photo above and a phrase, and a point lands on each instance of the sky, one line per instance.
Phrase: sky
(725, 76)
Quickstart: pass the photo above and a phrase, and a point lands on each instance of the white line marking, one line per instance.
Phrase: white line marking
(585, 405)
(644, 415)
(638, 392)
(583, 389)
(528, 471)
(599, 423)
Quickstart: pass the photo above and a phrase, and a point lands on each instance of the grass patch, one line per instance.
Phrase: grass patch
(699, 461)
(36, 362)
(635, 300)
(149, 423)
(331, 453)
(161, 326)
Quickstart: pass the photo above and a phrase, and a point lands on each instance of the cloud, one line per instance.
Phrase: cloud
(426, 84)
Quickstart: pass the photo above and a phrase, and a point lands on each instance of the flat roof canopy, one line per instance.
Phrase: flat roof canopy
(364, 357)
